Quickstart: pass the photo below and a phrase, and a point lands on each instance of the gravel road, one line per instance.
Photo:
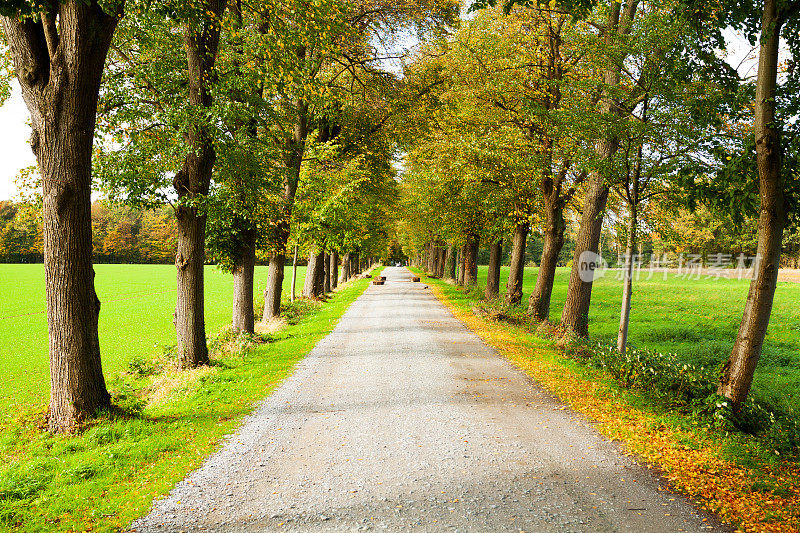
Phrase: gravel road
(402, 419)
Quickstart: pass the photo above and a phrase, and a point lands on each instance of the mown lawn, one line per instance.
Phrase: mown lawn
(135, 320)
(695, 319)
(165, 422)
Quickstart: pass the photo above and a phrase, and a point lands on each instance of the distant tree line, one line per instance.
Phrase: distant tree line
(120, 234)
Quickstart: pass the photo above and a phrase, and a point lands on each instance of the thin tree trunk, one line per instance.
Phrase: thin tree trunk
(493, 275)
(272, 294)
(334, 269)
(294, 275)
(450, 263)
(60, 79)
(243, 274)
(737, 374)
(517, 266)
(461, 258)
(627, 282)
(442, 257)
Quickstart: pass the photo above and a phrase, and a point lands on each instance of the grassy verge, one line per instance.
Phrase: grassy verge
(163, 425)
(729, 473)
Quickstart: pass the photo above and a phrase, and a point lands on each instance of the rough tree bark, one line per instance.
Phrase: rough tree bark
(555, 226)
(192, 181)
(275, 274)
(294, 150)
(575, 314)
(346, 267)
(450, 263)
(517, 264)
(493, 275)
(315, 276)
(471, 260)
(243, 274)
(334, 269)
(59, 62)
(327, 273)
(737, 374)
(442, 258)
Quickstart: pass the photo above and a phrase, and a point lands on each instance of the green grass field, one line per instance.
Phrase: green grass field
(135, 320)
(695, 319)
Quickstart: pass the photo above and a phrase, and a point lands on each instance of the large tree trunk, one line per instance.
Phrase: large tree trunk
(493, 275)
(442, 257)
(243, 274)
(737, 375)
(450, 263)
(555, 225)
(346, 267)
(294, 150)
(315, 276)
(59, 65)
(334, 268)
(192, 182)
(575, 314)
(517, 265)
(327, 273)
(471, 260)
(272, 298)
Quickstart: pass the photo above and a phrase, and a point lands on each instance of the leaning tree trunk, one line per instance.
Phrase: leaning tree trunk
(627, 280)
(575, 314)
(192, 182)
(243, 274)
(59, 66)
(555, 225)
(737, 374)
(450, 263)
(493, 275)
(272, 300)
(334, 268)
(517, 266)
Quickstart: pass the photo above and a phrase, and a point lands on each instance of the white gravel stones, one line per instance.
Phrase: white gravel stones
(401, 419)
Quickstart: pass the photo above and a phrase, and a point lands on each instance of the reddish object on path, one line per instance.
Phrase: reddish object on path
(378, 282)
(415, 279)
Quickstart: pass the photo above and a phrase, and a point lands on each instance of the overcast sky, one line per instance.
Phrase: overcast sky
(15, 152)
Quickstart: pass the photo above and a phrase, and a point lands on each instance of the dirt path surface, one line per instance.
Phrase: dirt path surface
(403, 420)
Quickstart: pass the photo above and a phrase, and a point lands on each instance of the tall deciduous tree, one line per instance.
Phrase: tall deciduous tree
(59, 54)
